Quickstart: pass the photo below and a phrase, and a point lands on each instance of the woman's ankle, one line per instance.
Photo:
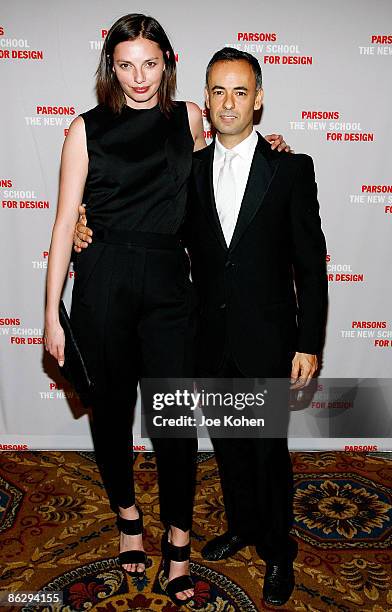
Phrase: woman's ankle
(177, 536)
(130, 513)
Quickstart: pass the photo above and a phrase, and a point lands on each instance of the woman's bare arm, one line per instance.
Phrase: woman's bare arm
(73, 173)
(196, 125)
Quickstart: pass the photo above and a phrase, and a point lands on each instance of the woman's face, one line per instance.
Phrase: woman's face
(139, 66)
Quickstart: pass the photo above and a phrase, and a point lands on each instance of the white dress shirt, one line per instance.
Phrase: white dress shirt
(241, 166)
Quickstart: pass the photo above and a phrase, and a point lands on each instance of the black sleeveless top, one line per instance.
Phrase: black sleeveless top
(139, 162)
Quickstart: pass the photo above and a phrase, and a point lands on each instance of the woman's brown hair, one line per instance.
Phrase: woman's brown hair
(130, 27)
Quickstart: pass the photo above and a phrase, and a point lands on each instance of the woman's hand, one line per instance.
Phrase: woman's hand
(55, 340)
(276, 141)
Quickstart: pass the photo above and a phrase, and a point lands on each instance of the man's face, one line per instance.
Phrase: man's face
(232, 98)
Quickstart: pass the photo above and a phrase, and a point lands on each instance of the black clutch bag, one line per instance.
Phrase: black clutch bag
(74, 368)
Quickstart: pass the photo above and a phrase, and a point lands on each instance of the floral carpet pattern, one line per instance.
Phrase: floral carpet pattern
(57, 533)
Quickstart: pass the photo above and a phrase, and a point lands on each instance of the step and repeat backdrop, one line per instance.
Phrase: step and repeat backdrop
(326, 72)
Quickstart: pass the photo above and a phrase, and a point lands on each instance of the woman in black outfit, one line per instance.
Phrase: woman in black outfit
(133, 303)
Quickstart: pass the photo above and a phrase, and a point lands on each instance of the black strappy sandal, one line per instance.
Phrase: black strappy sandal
(170, 552)
(132, 527)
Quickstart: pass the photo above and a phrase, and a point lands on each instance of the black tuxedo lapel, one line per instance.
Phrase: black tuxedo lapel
(203, 173)
(262, 171)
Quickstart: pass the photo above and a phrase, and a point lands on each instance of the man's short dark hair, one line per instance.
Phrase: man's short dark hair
(228, 54)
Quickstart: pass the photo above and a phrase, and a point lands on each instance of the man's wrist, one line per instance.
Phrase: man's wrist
(308, 350)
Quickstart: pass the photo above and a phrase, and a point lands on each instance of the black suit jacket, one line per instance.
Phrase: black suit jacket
(265, 296)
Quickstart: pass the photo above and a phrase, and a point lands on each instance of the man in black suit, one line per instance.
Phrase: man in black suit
(257, 256)
(257, 253)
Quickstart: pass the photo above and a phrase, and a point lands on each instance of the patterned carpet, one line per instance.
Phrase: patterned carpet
(58, 533)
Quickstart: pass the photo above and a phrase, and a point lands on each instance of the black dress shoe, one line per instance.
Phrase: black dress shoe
(278, 582)
(222, 547)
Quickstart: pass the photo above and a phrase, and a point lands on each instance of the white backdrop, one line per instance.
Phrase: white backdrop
(326, 69)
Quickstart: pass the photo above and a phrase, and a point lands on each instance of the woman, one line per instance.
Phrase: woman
(132, 304)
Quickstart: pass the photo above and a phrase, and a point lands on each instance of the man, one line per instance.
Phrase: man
(253, 227)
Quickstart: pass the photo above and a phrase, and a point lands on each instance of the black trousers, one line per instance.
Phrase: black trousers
(257, 482)
(133, 311)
